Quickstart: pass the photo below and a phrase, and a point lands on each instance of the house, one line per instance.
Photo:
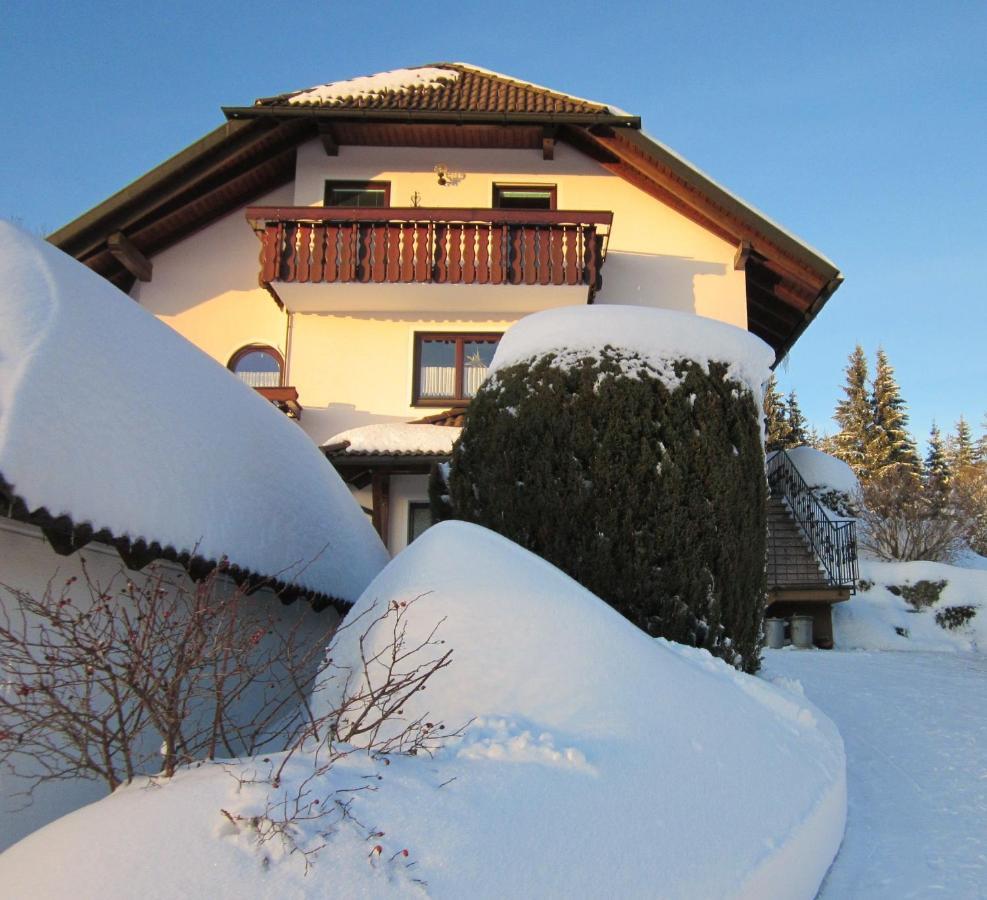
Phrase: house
(354, 251)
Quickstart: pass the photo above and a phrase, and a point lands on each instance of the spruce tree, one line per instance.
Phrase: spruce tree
(854, 415)
(796, 422)
(890, 447)
(937, 474)
(777, 433)
(961, 452)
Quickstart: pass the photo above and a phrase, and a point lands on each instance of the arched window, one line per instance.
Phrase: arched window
(257, 365)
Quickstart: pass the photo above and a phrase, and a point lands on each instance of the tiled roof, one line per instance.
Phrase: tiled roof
(465, 89)
(396, 439)
(452, 418)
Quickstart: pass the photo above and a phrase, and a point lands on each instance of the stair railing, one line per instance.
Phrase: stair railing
(833, 541)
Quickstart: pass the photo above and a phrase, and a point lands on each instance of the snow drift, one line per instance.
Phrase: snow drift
(110, 417)
(598, 762)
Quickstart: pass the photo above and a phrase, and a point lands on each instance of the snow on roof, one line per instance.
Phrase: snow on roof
(397, 80)
(110, 417)
(700, 779)
(820, 470)
(658, 336)
(398, 438)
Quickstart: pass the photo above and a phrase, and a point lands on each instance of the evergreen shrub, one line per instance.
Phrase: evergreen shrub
(921, 594)
(654, 499)
(953, 617)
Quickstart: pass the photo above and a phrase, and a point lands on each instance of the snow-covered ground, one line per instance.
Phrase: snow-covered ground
(598, 762)
(915, 729)
(880, 617)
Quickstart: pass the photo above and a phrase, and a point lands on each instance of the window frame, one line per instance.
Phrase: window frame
(412, 506)
(552, 189)
(461, 338)
(247, 349)
(331, 184)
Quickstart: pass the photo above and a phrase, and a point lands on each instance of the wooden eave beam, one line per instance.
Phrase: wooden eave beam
(127, 254)
(328, 137)
(548, 142)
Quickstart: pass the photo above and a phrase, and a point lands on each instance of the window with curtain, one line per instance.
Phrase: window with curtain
(257, 365)
(449, 368)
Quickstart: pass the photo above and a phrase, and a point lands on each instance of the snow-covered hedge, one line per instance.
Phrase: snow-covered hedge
(639, 471)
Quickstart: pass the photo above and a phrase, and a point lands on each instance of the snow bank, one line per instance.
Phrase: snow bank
(823, 472)
(398, 437)
(659, 337)
(110, 417)
(395, 81)
(599, 762)
(879, 619)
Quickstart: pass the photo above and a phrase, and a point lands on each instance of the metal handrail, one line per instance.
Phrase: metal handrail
(833, 541)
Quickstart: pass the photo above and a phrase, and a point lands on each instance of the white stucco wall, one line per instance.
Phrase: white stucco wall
(656, 257)
(28, 564)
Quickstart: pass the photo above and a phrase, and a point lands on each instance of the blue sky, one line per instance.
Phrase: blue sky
(861, 126)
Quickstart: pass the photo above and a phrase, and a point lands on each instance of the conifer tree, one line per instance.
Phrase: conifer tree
(962, 453)
(776, 428)
(937, 474)
(854, 415)
(890, 447)
(796, 422)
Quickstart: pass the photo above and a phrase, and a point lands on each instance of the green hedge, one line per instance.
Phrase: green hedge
(653, 499)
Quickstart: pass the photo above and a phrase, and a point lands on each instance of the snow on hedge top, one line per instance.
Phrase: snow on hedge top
(398, 437)
(659, 337)
(110, 417)
(703, 780)
(397, 80)
(820, 470)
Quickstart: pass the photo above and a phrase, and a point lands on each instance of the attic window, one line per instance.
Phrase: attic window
(258, 365)
(363, 194)
(524, 196)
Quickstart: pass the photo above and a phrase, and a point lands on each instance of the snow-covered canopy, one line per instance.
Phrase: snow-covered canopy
(824, 472)
(397, 80)
(110, 417)
(398, 438)
(658, 337)
(600, 763)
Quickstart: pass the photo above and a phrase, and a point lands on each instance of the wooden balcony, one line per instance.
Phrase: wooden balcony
(414, 245)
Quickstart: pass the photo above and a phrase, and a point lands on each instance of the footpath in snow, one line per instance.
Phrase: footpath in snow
(915, 730)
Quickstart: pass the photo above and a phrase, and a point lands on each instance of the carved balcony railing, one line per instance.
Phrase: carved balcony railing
(437, 246)
(833, 541)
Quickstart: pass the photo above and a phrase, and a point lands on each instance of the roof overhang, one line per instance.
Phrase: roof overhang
(254, 152)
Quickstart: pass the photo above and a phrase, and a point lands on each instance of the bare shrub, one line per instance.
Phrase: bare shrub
(901, 521)
(109, 681)
(363, 713)
(113, 681)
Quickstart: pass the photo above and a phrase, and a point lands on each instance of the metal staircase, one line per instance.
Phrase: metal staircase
(808, 551)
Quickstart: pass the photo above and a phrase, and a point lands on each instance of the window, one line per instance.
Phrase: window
(419, 520)
(257, 365)
(524, 196)
(451, 367)
(372, 194)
